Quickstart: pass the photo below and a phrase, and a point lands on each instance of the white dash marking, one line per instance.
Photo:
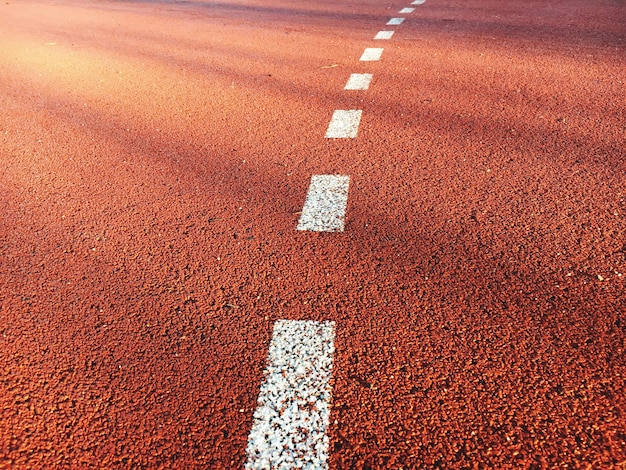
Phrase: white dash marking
(290, 422)
(325, 205)
(344, 124)
(359, 81)
(371, 54)
(395, 21)
(418, 2)
(383, 35)
(407, 10)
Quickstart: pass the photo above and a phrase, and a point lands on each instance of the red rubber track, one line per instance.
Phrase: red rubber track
(155, 156)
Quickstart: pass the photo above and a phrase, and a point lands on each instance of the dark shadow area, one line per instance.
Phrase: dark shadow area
(297, 16)
(557, 22)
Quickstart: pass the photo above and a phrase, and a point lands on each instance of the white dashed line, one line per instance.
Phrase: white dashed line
(371, 54)
(407, 10)
(325, 205)
(289, 429)
(395, 21)
(358, 81)
(418, 2)
(344, 124)
(383, 35)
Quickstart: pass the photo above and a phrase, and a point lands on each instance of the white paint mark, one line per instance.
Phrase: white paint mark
(325, 205)
(359, 81)
(344, 124)
(395, 21)
(418, 2)
(289, 429)
(407, 10)
(371, 54)
(383, 35)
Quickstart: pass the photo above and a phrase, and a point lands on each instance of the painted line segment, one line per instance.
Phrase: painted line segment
(359, 81)
(395, 21)
(372, 54)
(418, 2)
(290, 422)
(344, 124)
(407, 10)
(383, 35)
(325, 204)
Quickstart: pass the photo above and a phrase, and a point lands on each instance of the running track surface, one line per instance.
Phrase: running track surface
(155, 161)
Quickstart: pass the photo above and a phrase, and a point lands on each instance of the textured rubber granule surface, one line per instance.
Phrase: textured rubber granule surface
(155, 157)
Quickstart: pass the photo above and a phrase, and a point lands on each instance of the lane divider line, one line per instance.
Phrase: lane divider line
(383, 35)
(325, 204)
(359, 81)
(371, 54)
(290, 422)
(344, 124)
(293, 412)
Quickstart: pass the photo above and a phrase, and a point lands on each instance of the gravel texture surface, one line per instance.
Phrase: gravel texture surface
(155, 159)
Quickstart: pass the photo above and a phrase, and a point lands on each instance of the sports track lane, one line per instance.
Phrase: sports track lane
(156, 156)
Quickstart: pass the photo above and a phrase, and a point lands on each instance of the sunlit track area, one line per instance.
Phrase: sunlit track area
(276, 234)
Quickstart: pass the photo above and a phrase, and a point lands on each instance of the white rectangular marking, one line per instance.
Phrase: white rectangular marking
(325, 205)
(372, 53)
(359, 81)
(344, 124)
(395, 21)
(407, 10)
(418, 2)
(289, 429)
(383, 35)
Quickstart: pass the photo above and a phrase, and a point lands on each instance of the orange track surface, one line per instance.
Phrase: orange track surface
(155, 157)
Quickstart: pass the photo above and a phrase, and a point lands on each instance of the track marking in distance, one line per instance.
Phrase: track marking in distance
(344, 124)
(383, 35)
(395, 21)
(289, 428)
(359, 81)
(418, 2)
(407, 10)
(325, 205)
(371, 54)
